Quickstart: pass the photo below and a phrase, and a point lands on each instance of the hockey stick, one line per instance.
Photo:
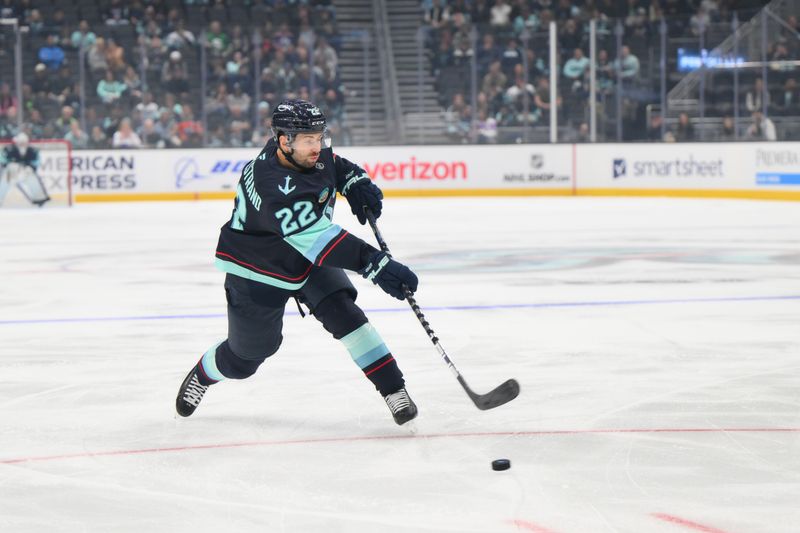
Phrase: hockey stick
(503, 393)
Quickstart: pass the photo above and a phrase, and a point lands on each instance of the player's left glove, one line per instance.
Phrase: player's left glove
(390, 275)
(362, 193)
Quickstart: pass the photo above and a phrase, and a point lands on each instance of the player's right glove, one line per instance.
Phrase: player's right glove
(390, 275)
(362, 193)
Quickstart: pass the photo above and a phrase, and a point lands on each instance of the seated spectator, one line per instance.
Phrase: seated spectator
(109, 89)
(76, 136)
(8, 123)
(180, 38)
(83, 37)
(488, 53)
(115, 56)
(150, 136)
(132, 82)
(582, 134)
(684, 132)
(125, 137)
(526, 20)
(63, 124)
(117, 14)
(762, 128)
(175, 75)
(98, 139)
(510, 57)
(51, 54)
(654, 128)
(147, 108)
(41, 84)
(500, 16)
(236, 69)
(190, 131)
(96, 57)
(437, 15)
(325, 53)
(487, 128)
(787, 101)
(728, 131)
(628, 64)
(238, 100)
(217, 41)
(217, 138)
(239, 128)
(542, 97)
(570, 37)
(754, 98)
(6, 98)
(495, 81)
(576, 67)
(458, 123)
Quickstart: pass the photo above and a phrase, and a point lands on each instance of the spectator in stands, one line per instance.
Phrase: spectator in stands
(457, 128)
(96, 57)
(495, 81)
(6, 98)
(35, 22)
(487, 128)
(150, 136)
(180, 38)
(109, 89)
(487, 52)
(576, 68)
(542, 98)
(437, 15)
(728, 131)
(63, 123)
(83, 37)
(239, 128)
(570, 37)
(684, 132)
(754, 97)
(787, 101)
(654, 128)
(8, 123)
(41, 82)
(132, 82)
(628, 64)
(700, 21)
(167, 128)
(525, 20)
(238, 100)
(217, 104)
(115, 56)
(51, 54)
(217, 41)
(217, 138)
(500, 16)
(511, 56)
(237, 69)
(76, 136)
(190, 131)
(761, 129)
(324, 52)
(125, 137)
(175, 75)
(147, 108)
(97, 138)
(116, 14)
(582, 134)
(780, 57)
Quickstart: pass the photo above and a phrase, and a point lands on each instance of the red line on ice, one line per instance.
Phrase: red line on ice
(364, 438)
(530, 526)
(687, 523)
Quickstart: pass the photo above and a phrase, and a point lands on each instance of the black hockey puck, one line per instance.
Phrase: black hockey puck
(501, 464)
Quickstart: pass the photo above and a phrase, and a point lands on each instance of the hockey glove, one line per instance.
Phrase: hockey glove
(390, 275)
(362, 193)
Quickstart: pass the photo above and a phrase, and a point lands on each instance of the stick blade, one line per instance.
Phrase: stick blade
(502, 394)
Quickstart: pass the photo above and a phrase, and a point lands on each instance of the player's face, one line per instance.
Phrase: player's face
(307, 147)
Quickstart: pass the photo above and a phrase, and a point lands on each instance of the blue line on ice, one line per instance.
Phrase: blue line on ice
(597, 303)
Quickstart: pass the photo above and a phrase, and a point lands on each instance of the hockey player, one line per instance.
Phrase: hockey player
(280, 243)
(19, 163)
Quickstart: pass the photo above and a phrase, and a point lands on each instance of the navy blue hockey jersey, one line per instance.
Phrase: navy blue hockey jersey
(282, 225)
(11, 154)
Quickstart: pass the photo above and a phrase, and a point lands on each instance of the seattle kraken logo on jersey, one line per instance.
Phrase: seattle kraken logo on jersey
(285, 188)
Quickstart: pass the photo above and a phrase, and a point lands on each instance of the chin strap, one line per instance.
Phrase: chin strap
(290, 159)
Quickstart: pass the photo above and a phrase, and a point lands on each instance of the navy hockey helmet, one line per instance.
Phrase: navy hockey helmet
(297, 116)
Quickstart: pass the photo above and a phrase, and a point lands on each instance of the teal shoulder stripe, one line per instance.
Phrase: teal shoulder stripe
(233, 268)
(311, 241)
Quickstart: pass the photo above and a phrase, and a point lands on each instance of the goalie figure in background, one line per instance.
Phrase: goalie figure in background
(281, 243)
(19, 165)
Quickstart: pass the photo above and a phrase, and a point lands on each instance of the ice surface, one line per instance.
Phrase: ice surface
(657, 343)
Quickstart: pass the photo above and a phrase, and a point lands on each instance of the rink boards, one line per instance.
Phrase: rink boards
(725, 170)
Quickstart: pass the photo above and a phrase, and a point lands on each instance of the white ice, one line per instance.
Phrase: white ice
(657, 343)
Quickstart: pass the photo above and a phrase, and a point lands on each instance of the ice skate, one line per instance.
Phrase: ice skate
(402, 406)
(190, 394)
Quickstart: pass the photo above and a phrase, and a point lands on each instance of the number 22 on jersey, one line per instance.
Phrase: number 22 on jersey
(301, 215)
